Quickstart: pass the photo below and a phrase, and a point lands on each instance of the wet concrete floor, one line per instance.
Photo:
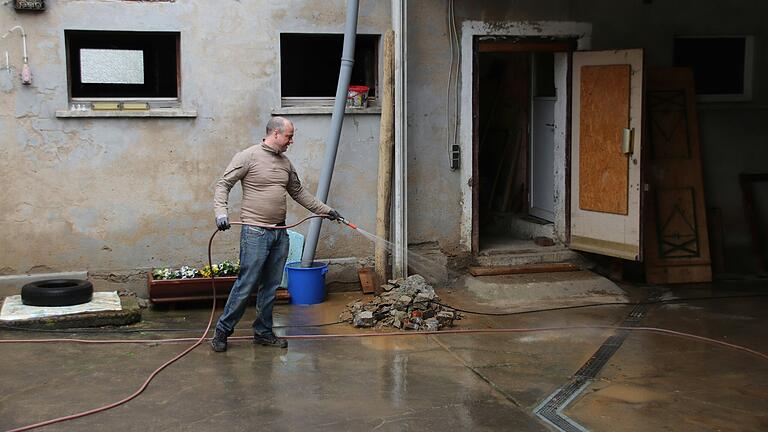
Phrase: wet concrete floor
(478, 382)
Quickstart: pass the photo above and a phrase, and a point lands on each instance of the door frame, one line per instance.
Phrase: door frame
(472, 33)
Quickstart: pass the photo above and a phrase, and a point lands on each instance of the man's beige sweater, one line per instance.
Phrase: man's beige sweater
(266, 176)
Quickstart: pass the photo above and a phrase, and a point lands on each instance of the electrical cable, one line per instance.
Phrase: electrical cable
(448, 87)
(146, 330)
(451, 118)
(649, 302)
(456, 75)
(201, 338)
(151, 376)
(407, 333)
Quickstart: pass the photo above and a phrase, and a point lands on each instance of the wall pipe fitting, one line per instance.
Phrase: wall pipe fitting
(26, 73)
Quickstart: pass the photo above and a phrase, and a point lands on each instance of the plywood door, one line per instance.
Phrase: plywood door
(607, 97)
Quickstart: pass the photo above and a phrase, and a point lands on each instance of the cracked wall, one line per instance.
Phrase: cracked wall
(118, 196)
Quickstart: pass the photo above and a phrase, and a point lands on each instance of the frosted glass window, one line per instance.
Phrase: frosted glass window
(111, 66)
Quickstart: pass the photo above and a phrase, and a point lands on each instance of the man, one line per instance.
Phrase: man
(266, 175)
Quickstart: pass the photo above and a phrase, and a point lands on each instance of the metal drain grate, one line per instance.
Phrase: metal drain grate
(551, 409)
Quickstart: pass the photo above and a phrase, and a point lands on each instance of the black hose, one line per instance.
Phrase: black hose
(648, 302)
(168, 330)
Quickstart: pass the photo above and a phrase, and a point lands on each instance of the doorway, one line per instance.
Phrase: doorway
(516, 100)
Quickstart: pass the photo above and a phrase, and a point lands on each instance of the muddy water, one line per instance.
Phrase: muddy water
(631, 394)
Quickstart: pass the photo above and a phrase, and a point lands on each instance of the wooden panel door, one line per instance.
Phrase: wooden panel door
(606, 137)
(677, 244)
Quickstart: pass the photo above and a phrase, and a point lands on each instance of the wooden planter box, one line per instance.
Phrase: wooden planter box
(180, 290)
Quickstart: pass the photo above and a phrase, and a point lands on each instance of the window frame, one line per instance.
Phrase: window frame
(746, 94)
(152, 101)
(326, 101)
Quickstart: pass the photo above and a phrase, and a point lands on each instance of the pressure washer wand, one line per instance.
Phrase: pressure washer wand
(348, 223)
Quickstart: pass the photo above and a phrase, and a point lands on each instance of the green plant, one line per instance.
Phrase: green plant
(224, 268)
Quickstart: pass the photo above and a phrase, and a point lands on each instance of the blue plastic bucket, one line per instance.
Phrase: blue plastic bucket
(306, 284)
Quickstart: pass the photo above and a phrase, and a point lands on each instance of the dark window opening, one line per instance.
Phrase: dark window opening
(108, 64)
(718, 63)
(310, 64)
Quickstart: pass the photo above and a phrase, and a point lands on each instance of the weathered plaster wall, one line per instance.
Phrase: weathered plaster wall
(123, 195)
(732, 137)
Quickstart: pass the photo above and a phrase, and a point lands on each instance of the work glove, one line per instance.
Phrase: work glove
(334, 215)
(222, 223)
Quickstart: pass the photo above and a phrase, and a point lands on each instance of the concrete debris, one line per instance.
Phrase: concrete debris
(364, 319)
(446, 317)
(432, 324)
(142, 302)
(346, 316)
(409, 304)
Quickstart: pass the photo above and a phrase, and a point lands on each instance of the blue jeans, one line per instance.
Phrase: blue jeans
(263, 252)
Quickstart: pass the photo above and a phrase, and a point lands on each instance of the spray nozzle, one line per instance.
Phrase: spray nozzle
(340, 219)
(347, 223)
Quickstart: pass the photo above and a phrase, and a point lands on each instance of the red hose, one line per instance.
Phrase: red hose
(198, 341)
(202, 338)
(277, 227)
(411, 333)
(151, 376)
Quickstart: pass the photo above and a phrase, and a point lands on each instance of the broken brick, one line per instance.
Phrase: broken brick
(409, 304)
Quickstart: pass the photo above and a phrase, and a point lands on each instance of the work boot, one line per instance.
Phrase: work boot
(269, 339)
(219, 341)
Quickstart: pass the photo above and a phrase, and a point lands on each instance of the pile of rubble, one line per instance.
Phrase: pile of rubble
(409, 304)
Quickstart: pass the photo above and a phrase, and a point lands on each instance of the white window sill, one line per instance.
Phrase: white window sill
(155, 113)
(313, 110)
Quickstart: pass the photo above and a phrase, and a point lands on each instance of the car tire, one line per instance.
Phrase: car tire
(57, 292)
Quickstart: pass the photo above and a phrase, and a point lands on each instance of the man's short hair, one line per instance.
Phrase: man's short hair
(277, 124)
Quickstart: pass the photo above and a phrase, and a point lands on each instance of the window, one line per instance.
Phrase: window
(310, 64)
(722, 65)
(117, 66)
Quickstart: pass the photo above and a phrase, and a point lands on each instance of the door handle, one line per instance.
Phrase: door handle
(549, 124)
(627, 141)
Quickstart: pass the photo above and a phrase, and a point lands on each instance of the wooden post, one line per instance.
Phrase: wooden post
(386, 147)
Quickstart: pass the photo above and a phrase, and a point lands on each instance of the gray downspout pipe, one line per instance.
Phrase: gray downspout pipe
(332, 142)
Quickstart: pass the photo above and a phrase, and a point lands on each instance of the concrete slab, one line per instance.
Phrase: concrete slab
(14, 308)
(127, 312)
(478, 382)
(530, 290)
(529, 254)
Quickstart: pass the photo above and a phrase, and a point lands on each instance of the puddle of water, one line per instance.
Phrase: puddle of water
(630, 394)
